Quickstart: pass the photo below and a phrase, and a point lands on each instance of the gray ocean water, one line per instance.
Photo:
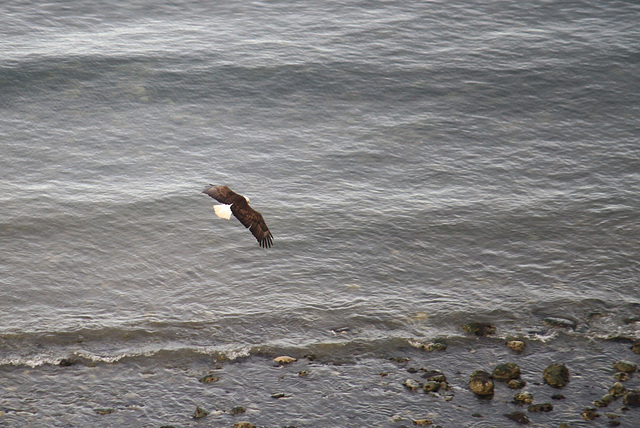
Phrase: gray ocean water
(420, 165)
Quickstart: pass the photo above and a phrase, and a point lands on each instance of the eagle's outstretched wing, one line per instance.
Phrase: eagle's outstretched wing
(253, 220)
(222, 194)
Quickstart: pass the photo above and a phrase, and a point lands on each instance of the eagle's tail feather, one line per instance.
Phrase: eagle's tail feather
(223, 211)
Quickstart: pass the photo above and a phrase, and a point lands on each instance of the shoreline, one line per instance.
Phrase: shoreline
(409, 386)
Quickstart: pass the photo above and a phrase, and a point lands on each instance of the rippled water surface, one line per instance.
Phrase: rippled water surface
(420, 164)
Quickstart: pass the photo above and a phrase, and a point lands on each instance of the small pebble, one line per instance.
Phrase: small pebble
(516, 345)
(434, 375)
(590, 414)
(621, 376)
(516, 384)
(523, 398)
(542, 407)
(429, 346)
(280, 395)
(625, 366)
(284, 359)
(519, 417)
(617, 390)
(479, 328)
(604, 401)
(67, 362)
(200, 413)
(413, 385)
(208, 379)
(237, 410)
(431, 386)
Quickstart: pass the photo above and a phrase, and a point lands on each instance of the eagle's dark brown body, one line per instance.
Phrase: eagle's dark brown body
(240, 208)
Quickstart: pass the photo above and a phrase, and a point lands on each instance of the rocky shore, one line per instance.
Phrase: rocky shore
(476, 380)
(543, 399)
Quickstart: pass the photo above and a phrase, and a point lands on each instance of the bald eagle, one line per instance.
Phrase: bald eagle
(239, 206)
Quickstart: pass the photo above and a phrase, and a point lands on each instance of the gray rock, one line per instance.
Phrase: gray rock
(431, 386)
(556, 375)
(208, 379)
(542, 407)
(625, 366)
(523, 398)
(479, 328)
(621, 376)
(434, 346)
(632, 398)
(412, 385)
(519, 417)
(604, 401)
(285, 359)
(516, 345)
(279, 395)
(481, 384)
(507, 371)
(560, 322)
(590, 414)
(516, 384)
(434, 375)
(617, 390)
(200, 413)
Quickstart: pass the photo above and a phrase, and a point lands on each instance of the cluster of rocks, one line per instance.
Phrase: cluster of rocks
(429, 346)
(481, 383)
(630, 398)
(435, 383)
(479, 328)
(432, 382)
(200, 413)
(557, 375)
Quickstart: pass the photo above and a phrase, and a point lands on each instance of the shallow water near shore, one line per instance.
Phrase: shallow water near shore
(420, 164)
(330, 388)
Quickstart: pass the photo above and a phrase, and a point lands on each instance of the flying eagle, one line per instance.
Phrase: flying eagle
(239, 206)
